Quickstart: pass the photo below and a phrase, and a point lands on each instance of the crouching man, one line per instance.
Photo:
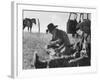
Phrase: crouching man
(60, 41)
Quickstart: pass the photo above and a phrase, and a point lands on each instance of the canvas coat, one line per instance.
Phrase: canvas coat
(63, 39)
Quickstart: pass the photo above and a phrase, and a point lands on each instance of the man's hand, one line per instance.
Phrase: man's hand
(83, 53)
(57, 50)
(70, 61)
(54, 42)
(74, 55)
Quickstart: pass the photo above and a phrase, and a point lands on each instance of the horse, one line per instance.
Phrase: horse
(27, 22)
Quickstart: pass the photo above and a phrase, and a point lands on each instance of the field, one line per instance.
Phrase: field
(34, 42)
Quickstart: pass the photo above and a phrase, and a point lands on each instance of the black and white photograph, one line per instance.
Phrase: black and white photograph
(55, 39)
(52, 40)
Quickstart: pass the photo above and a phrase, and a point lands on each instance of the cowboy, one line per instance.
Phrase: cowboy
(84, 44)
(60, 40)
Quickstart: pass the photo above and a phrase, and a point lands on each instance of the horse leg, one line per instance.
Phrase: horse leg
(23, 27)
(28, 28)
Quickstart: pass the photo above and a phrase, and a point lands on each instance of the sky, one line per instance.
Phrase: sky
(58, 18)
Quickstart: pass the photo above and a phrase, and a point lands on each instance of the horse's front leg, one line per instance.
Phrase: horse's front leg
(24, 27)
(28, 28)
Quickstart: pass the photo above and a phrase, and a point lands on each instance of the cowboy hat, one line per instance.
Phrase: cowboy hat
(84, 26)
(51, 27)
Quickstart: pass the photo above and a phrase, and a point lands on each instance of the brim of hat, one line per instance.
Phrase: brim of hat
(54, 28)
(56, 25)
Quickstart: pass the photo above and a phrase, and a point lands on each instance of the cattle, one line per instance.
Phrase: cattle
(39, 64)
(54, 61)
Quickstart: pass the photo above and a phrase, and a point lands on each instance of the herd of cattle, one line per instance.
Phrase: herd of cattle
(65, 61)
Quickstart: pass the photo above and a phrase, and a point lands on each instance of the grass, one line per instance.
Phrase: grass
(34, 42)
